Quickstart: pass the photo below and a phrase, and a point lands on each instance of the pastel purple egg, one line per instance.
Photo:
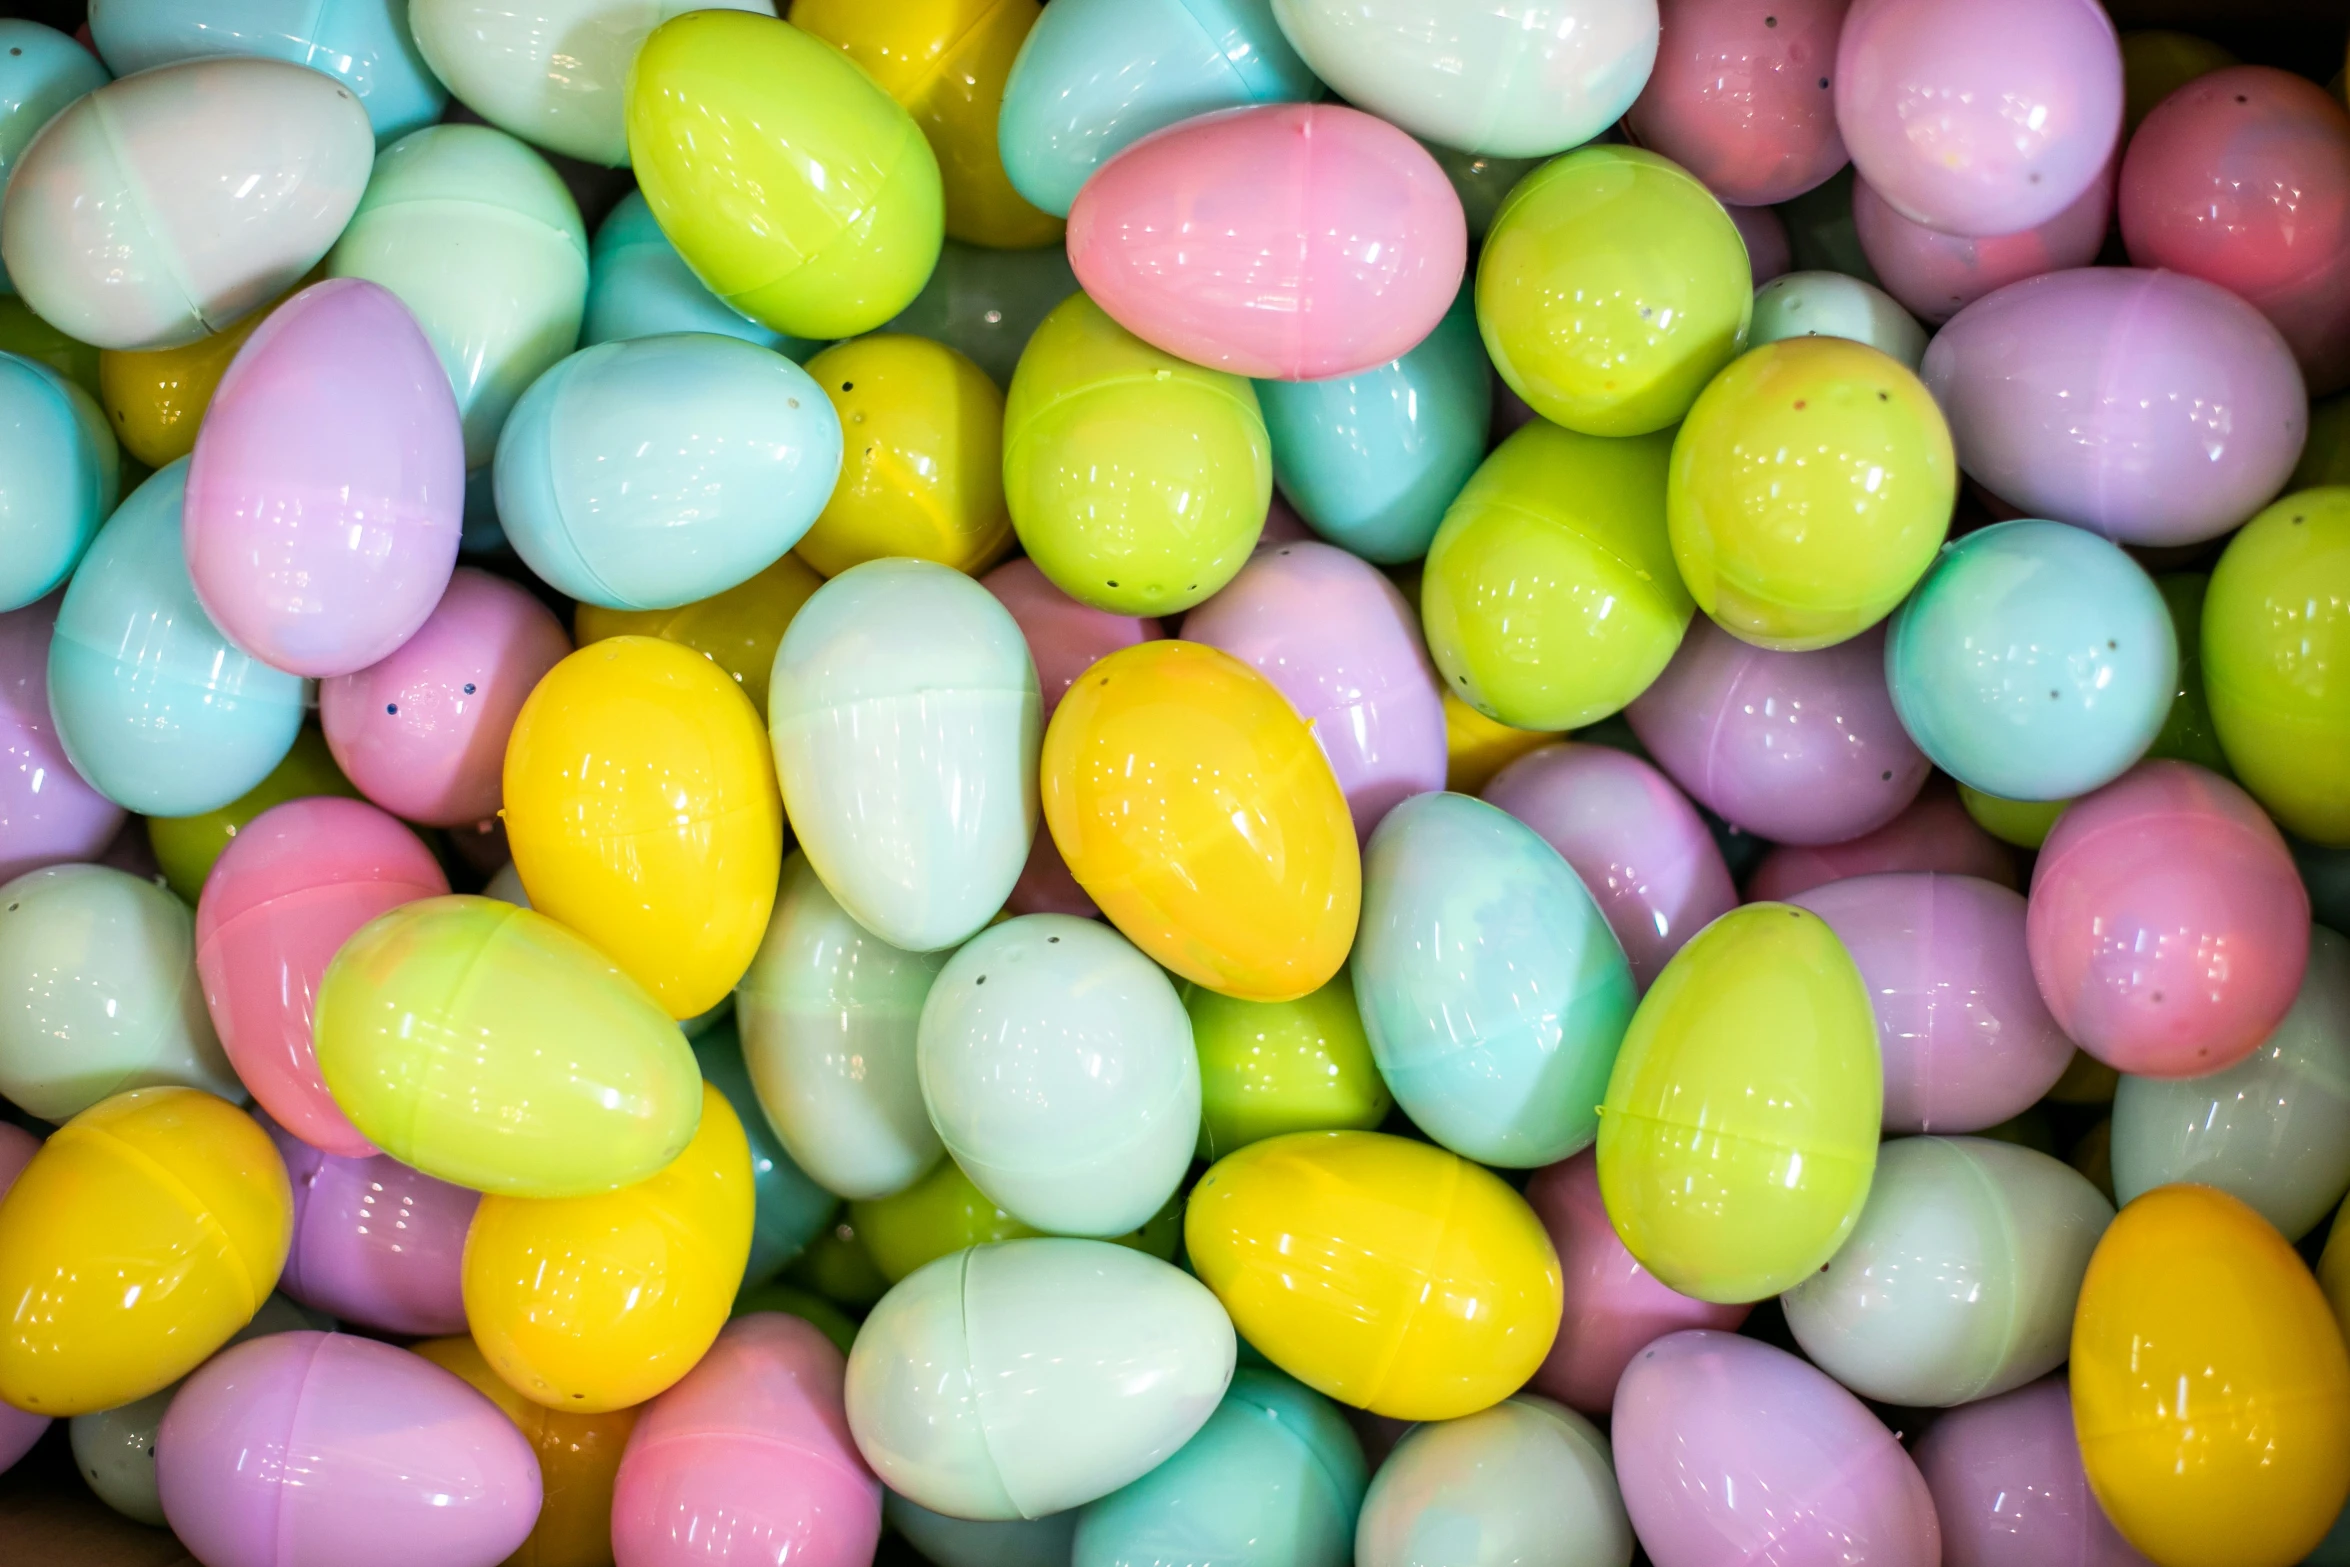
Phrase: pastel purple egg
(48, 815)
(328, 485)
(1614, 1307)
(1936, 275)
(1934, 834)
(1769, 251)
(1290, 241)
(19, 1429)
(1730, 1451)
(1793, 747)
(375, 1242)
(1966, 1040)
(1979, 116)
(2168, 928)
(2150, 407)
(1739, 96)
(749, 1460)
(1338, 639)
(423, 732)
(304, 1448)
(2009, 1489)
(1639, 845)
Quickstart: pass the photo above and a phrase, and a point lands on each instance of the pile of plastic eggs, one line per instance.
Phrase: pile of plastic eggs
(1175, 783)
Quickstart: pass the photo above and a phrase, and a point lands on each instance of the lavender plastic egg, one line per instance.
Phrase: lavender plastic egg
(1937, 275)
(2009, 1489)
(48, 813)
(375, 1242)
(1740, 95)
(1934, 834)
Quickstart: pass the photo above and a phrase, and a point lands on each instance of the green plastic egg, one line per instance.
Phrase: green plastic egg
(29, 337)
(1138, 482)
(837, 1267)
(944, 1212)
(2024, 823)
(2276, 661)
(1269, 1067)
(2187, 733)
(1612, 286)
(1549, 596)
(1739, 1134)
(1811, 486)
(186, 846)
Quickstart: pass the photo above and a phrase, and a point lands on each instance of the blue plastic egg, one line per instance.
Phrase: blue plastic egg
(155, 707)
(639, 286)
(59, 469)
(364, 44)
(2034, 661)
(41, 71)
(982, 1542)
(659, 471)
(1491, 987)
(1371, 461)
(1096, 76)
(904, 711)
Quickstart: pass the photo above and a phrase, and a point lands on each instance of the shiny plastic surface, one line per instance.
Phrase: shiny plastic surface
(1937, 275)
(364, 44)
(374, 1242)
(183, 849)
(45, 71)
(1736, 97)
(1934, 834)
(49, 813)
(789, 1209)
(1523, 1482)
(2008, 1486)
(940, 1213)
(60, 479)
(1269, 1067)
(639, 286)
(1830, 304)
(738, 630)
(156, 400)
(984, 304)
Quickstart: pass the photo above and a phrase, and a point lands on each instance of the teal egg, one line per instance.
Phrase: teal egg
(979, 1542)
(158, 710)
(1276, 1475)
(986, 304)
(1371, 461)
(639, 286)
(789, 1209)
(58, 471)
(41, 71)
(1527, 1481)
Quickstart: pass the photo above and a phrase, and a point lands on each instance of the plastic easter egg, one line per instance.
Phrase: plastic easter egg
(2277, 609)
(789, 1209)
(639, 286)
(1275, 1475)
(307, 1447)
(2023, 823)
(1770, 253)
(1739, 95)
(1372, 460)
(152, 704)
(738, 630)
(641, 804)
(2150, 407)
(374, 1242)
(49, 814)
(970, 1542)
(1739, 1132)
(119, 217)
(1729, 1450)
(489, 1046)
(1065, 638)
(284, 895)
(101, 994)
(578, 1456)
(1270, 1067)
(2210, 1389)
(599, 1302)
(183, 849)
(1549, 597)
(2168, 927)
(1978, 119)
(1022, 1379)
(147, 1230)
(923, 472)
(820, 213)
(1937, 275)
(1829, 304)
(1662, 286)
(2274, 1129)
(749, 1459)
(62, 471)
(1810, 487)
(1194, 806)
(1337, 639)
(1965, 1039)
(1523, 1482)
(1934, 834)
(903, 711)
(940, 1213)
(1523, 80)
(2008, 1487)
(985, 304)
(1137, 482)
(1388, 1274)
(42, 72)
(2035, 662)
(480, 240)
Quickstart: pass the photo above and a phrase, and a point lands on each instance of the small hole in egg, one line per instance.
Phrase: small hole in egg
(981, 980)
(469, 688)
(392, 708)
(848, 386)
(1823, 81)
(1886, 776)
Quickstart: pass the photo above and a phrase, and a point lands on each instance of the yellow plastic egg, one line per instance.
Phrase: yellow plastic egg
(2211, 1391)
(1387, 1273)
(145, 1232)
(643, 813)
(1193, 805)
(922, 464)
(156, 399)
(595, 1303)
(737, 630)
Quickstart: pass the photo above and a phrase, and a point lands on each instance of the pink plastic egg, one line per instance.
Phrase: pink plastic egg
(749, 1460)
(1979, 116)
(328, 484)
(19, 1429)
(1769, 252)
(1336, 637)
(2242, 178)
(423, 733)
(2151, 407)
(375, 1242)
(303, 1448)
(2009, 1488)
(2168, 927)
(1291, 241)
(1730, 1451)
(1965, 1038)
(1936, 275)
(1793, 747)
(1934, 834)
(1740, 95)
(1615, 1308)
(48, 815)
(1640, 847)
(290, 889)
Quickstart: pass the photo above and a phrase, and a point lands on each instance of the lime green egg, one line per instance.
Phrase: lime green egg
(1271, 1067)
